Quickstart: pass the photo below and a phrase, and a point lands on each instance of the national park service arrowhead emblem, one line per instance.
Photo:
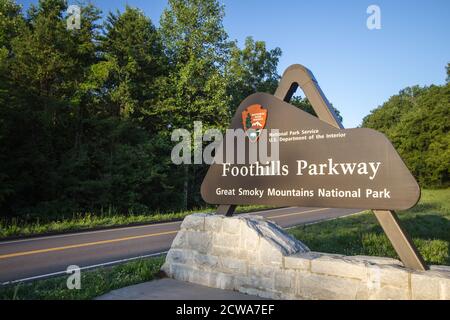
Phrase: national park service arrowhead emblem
(253, 121)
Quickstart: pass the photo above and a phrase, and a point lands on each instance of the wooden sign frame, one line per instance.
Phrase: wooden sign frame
(299, 76)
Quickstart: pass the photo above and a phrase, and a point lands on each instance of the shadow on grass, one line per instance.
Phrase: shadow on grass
(362, 235)
(428, 226)
(424, 207)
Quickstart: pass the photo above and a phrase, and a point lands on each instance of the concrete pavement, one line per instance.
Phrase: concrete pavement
(170, 289)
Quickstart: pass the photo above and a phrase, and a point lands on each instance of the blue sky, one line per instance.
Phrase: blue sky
(358, 69)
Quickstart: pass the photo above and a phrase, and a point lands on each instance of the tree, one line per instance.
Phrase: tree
(196, 45)
(11, 22)
(197, 48)
(123, 163)
(448, 73)
(46, 64)
(305, 105)
(254, 69)
(250, 70)
(416, 121)
(248, 121)
(134, 60)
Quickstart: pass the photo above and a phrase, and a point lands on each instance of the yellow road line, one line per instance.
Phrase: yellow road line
(295, 213)
(80, 245)
(88, 232)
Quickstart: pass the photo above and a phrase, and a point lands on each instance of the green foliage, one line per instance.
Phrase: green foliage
(416, 121)
(195, 87)
(133, 52)
(10, 22)
(45, 64)
(448, 72)
(93, 283)
(74, 131)
(196, 46)
(30, 225)
(86, 115)
(305, 105)
(428, 223)
(252, 69)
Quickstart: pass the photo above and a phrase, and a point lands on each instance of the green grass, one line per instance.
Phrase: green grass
(16, 227)
(93, 283)
(428, 223)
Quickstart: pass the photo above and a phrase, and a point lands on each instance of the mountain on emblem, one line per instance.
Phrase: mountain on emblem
(253, 121)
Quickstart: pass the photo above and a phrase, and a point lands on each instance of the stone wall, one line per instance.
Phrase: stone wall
(255, 256)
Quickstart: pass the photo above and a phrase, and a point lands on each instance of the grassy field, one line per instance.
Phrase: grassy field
(428, 223)
(93, 283)
(34, 225)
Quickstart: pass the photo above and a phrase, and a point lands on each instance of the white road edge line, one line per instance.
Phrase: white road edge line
(84, 268)
(323, 220)
(81, 233)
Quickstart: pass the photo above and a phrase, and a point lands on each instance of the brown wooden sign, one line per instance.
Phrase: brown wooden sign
(319, 165)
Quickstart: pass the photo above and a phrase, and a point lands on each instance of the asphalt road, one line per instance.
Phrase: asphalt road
(45, 256)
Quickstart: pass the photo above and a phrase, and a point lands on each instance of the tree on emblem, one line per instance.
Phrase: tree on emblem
(248, 121)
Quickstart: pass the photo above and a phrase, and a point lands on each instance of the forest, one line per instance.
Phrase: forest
(86, 115)
(417, 121)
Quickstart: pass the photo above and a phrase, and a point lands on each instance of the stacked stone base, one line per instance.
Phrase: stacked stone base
(255, 256)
